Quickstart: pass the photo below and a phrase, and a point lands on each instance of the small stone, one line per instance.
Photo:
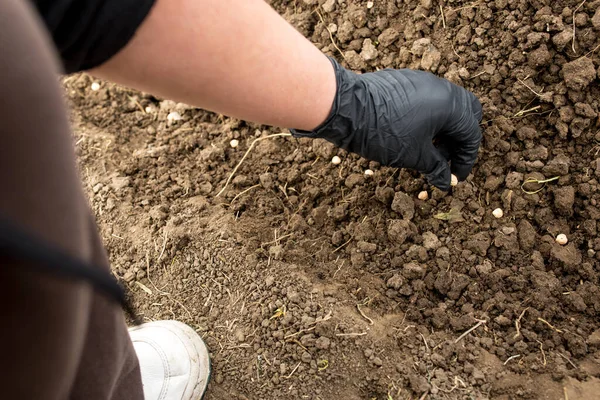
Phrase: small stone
(564, 199)
(337, 238)
(358, 17)
(464, 35)
(431, 241)
(306, 357)
(294, 296)
(276, 252)
(354, 180)
(404, 204)
(370, 4)
(558, 166)
(596, 19)
(395, 282)
(354, 61)
(431, 59)
(568, 254)
(377, 361)
(479, 243)
(386, 194)
(585, 110)
(508, 230)
(167, 105)
(368, 172)
(513, 180)
(594, 338)
(423, 195)
(95, 86)
(328, 6)
(366, 247)
(579, 74)
(120, 182)
(129, 276)
(388, 37)
(239, 336)
(399, 230)
(561, 39)
(266, 180)
(477, 374)
(412, 271)
(419, 46)
(527, 235)
(418, 383)
(369, 52)
(323, 343)
(234, 143)
(336, 160)
(484, 268)
(269, 281)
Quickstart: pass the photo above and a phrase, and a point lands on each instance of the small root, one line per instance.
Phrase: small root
(511, 358)
(243, 192)
(246, 155)
(350, 334)
(538, 181)
(518, 324)
(479, 323)
(364, 315)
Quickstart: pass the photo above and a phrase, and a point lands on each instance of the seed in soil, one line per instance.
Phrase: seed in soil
(174, 116)
(234, 143)
(423, 195)
(453, 180)
(368, 172)
(498, 213)
(95, 86)
(336, 160)
(562, 239)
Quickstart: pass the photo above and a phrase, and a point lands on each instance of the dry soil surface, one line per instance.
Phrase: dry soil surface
(310, 280)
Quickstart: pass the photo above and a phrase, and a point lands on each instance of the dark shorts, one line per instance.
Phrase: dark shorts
(89, 32)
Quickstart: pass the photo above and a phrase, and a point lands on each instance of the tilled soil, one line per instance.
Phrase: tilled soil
(310, 280)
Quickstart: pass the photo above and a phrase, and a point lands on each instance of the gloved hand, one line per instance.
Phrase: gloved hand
(394, 116)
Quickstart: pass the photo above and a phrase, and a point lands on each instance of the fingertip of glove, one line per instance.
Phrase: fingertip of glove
(461, 171)
(440, 180)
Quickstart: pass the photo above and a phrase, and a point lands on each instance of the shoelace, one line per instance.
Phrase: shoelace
(17, 243)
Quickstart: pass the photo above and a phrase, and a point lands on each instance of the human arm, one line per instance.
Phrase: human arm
(239, 58)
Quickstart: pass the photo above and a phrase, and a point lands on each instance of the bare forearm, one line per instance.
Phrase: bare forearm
(235, 57)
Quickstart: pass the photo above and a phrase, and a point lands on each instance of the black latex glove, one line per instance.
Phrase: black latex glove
(393, 117)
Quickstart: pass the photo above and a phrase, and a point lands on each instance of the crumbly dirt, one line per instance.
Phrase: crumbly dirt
(310, 280)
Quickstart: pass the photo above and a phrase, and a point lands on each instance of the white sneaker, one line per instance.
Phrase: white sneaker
(173, 359)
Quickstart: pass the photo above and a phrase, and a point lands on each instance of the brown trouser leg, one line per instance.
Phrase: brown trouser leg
(59, 338)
